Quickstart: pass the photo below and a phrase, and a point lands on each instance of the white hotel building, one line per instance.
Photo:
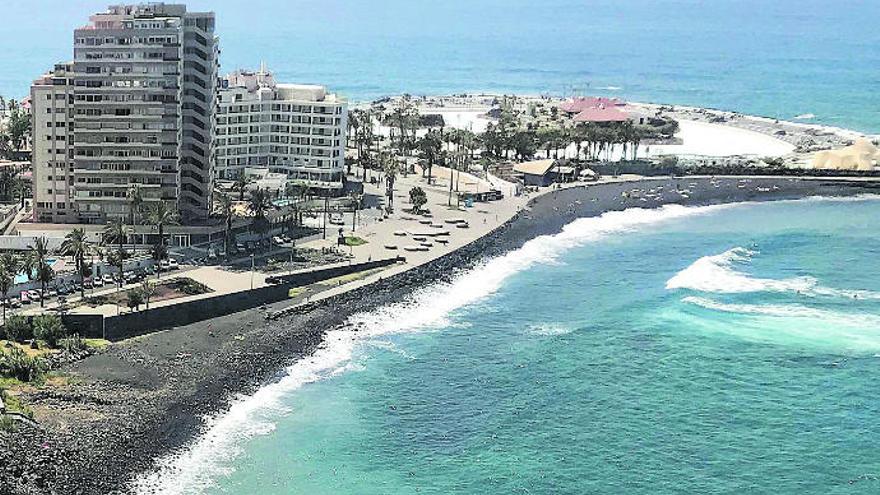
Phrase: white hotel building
(297, 130)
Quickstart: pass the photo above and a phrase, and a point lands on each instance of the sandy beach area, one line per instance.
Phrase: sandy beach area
(146, 398)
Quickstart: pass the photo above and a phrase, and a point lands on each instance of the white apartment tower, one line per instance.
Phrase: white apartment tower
(52, 114)
(298, 130)
(141, 114)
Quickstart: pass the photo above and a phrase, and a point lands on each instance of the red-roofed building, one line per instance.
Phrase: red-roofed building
(601, 114)
(579, 104)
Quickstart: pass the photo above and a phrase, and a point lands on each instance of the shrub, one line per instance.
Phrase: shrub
(135, 299)
(49, 329)
(15, 363)
(418, 198)
(73, 344)
(188, 286)
(7, 423)
(18, 329)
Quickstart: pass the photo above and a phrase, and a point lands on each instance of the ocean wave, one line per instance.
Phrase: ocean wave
(610, 88)
(718, 274)
(195, 469)
(550, 329)
(805, 116)
(834, 318)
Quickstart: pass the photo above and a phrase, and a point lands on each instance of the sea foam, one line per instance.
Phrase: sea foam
(194, 469)
(718, 274)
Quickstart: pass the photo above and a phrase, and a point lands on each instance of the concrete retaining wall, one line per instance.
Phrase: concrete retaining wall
(130, 325)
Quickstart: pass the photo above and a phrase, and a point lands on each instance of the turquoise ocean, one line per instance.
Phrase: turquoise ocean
(713, 350)
(782, 58)
(719, 350)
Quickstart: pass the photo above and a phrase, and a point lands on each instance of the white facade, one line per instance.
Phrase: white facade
(52, 114)
(297, 130)
(138, 104)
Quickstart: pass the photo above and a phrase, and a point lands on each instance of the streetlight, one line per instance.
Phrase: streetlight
(252, 271)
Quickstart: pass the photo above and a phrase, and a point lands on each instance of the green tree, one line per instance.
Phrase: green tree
(135, 298)
(135, 204)
(116, 232)
(228, 212)
(8, 270)
(77, 246)
(160, 215)
(430, 145)
(49, 329)
(417, 198)
(40, 254)
(148, 290)
(259, 205)
(241, 183)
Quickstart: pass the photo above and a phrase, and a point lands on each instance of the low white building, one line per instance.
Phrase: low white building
(297, 130)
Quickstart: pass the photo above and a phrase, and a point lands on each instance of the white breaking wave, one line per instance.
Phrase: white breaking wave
(209, 457)
(610, 88)
(857, 320)
(550, 329)
(718, 274)
(805, 116)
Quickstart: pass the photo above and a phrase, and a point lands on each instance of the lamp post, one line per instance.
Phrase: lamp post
(252, 271)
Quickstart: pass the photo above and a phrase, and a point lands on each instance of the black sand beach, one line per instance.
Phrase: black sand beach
(146, 397)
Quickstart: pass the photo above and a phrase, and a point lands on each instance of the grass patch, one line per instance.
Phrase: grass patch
(14, 404)
(96, 343)
(296, 291)
(354, 241)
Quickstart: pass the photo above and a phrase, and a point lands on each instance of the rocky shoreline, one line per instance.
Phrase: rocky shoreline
(147, 397)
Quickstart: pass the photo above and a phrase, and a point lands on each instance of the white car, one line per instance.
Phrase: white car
(173, 265)
(336, 219)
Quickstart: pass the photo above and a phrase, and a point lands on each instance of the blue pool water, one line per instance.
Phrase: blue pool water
(725, 349)
(23, 277)
(780, 58)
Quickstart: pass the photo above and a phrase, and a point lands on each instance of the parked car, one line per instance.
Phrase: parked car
(173, 264)
(108, 279)
(88, 283)
(164, 266)
(52, 293)
(24, 297)
(15, 303)
(336, 219)
(34, 295)
(98, 282)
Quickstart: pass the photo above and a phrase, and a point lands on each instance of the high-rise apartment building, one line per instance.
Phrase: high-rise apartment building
(298, 130)
(52, 114)
(141, 115)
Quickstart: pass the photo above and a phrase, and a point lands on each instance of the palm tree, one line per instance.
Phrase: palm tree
(8, 271)
(228, 213)
(135, 202)
(28, 265)
(240, 185)
(76, 245)
(40, 253)
(430, 148)
(117, 232)
(160, 215)
(259, 205)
